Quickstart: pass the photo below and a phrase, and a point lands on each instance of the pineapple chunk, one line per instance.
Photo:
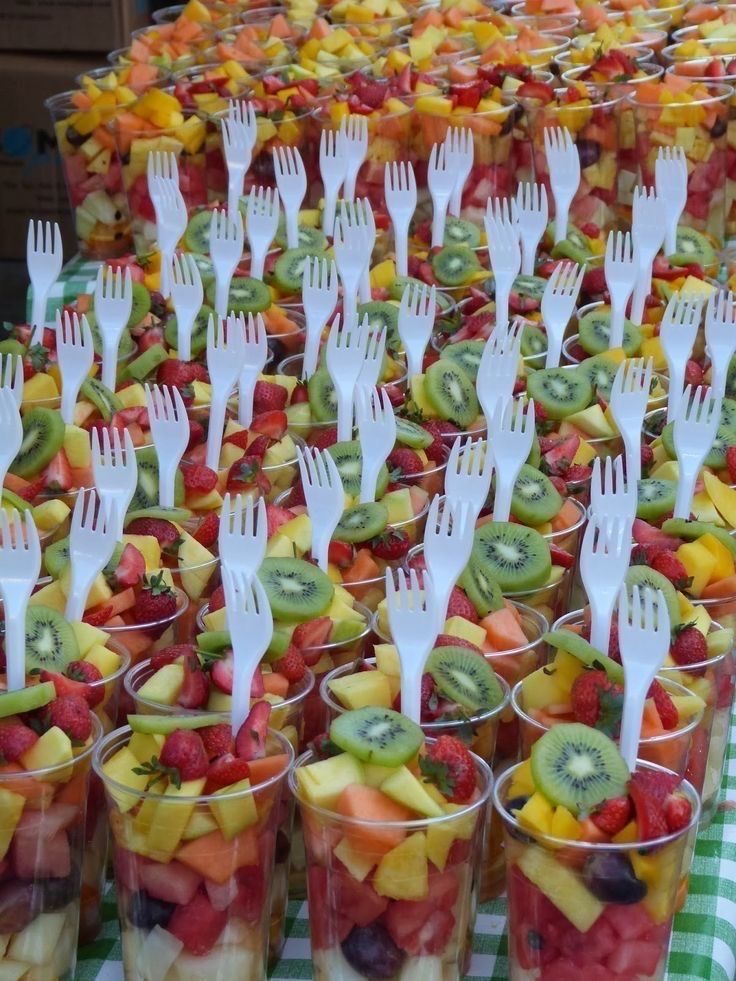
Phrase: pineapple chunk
(403, 873)
(359, 690)
(234, 816)
(403, 787)
(88, 637)
(322, 783)
(561, 886)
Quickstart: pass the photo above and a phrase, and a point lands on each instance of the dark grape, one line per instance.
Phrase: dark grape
(589, 152)
(610, 876)
(516, 804)
(283, 848)
(719, 128)
(146, 912)
(17, 906)
(372, 952)
(53, 894)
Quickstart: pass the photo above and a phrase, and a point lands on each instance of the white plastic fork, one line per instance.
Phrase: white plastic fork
(412, 617)
(563, 166)
(92, 540)
(261, 221)
(468, 475)
(677, 333)
(417, 311)
(187, 295)
(11, 375)
(357, 216)
(255, 355)
(161, 164)
(354, 138)
(400, 190)
(250, 623)
(504, 252)
(620, 270)
(332, 168)
(226, 251)
(324, 496)
(113, 305)
(558, 305)
(375, 354)
(11, 428)
(20, 564)
(344, 356)
(441, 184)
(377, 434)
(448, 542)
(350, 245)
(239, 132)
(170, 432)
(647, 234)
(225, 359)
(696, 422)
(44, 258)
(319, 297)
(511, 435)
(530, 211)
(628, 403)
(611, 494)
(644, 634)
(604, 559)
(243, 534)
(670, 178)
(75, 353)
(460, 152)
(291, 180)
(497, 369)
(115, 472)
(720, 338)
(171, 223)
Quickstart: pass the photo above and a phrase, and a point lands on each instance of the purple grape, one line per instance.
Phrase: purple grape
(372, 952)
(146, 912)
(610, 876)
(589, 152)
(53, 894)
(18, 906)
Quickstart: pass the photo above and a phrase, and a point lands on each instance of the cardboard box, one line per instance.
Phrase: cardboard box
(31, 180)
(69, 25)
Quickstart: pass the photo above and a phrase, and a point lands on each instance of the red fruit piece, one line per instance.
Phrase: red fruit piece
(693, 373)
(222, 672)
(340, 554)
(156, 601)
(217, 599)
(217, 740)
(250, 742)
(208, 530)
(71, 714)
(131, 568)
(163, 531)
(425, 927)
(58, 474)
(613, 816)
(678, 812)
(597, 702)
(666, 708)
(321, 439)
(689, 647)
(447, 640)
(15, 740)
(199, 479)
(184, 752)
(197, 924)
(171, 882)
(291, 665)
(268, 396)
(174, 373)
(168, 655)
(271, 424)
(357, 900)
(404, 462)
(196, 434)
(460, 606)
(648, 790)
(310, 637)
(638, 958)
(669, 566)
(275, 518)
(225, 771)
(731, 463)
(560, 557)
(390, 545)
(195, 688)
(449, 765)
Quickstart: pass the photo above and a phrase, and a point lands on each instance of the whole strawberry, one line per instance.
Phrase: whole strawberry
(449, 765)
(199, 479)
(597, 702)
(391, 545)
(668, 565)
(291, 665)
(155, 602)
(184, 753)
(70, 714)
(217, 739)
(689, 647)
(403, 462)
(15, 740)
(268, 396)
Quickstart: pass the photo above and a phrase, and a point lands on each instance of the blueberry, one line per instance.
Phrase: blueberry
(516, 804)
(589, 151)
(610, 877)
(53, 894)
(372, 952)
(146, 912)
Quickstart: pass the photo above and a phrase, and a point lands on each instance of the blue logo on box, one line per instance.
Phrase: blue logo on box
(36, 147)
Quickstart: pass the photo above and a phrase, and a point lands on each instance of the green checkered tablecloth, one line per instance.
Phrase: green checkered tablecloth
(77, 276)
(703, 944)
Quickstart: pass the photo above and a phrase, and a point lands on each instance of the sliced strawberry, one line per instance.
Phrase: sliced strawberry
(224, 772)
(222, 673)
(271, 424)
(195, 688)
(131, 567)
(58, 474)
(250, 742)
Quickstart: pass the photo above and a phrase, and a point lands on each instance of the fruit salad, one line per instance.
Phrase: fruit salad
(595, 862)
(393, 826)
(194, 818)
(47, 742)
(172, 46)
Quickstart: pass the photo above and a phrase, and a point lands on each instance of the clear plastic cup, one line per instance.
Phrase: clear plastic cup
(141, 640)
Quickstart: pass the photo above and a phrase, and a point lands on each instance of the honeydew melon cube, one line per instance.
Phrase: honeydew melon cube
(157, 953)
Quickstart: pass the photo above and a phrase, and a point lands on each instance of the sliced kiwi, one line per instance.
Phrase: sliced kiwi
(535, 453)
(199, 331)
(535, 498)
(164, 725)
(361, 522)
(206, 269)
(381, 314)
(560, 391)
(43, 437)
(148, 362)
(396, 291)
(349, 459)
(531, 287)
(594, 334)
(731, 379)
(126, 347)
(56, 557)
(578, 767)
(642, 575)
(141, 305)
(146, 494)
(197, 234)
(288, 270)
(655, 498)
(517, 558)
(451, 392)
(692, 530)
(533, 344)
(177, 515)
(481, 589)
(466, 678)
(716, 455)
(322, 396)
(213, 641)
(296, 590)
(461, 232)
(572, 643)
(692, 247)
(12, 500)
(411, 435)
(246, 295)
(575, 245)
(600, 372)
(466, 354)
(377, 735)
(26, 699)
(455, 265)
(106, 402)
(309, 238)
(50, 641)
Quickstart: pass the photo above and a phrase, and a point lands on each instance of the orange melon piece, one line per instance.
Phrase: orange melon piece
(74, 791)
(263, 769)
(275, 684)
(371, 804)
(216, 859)
(566, 516)
(503, 630)
(15, 484)
(138, 50)
(280, 27)
(122, 601)
(364, 567)
(32, 790)
(512, 609)
(715, 590)
(651, 723)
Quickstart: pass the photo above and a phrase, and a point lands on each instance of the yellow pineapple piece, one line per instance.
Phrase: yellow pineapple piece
(403, 873)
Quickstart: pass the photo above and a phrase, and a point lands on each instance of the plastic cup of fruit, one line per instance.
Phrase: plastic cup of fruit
(538, 56)
(93, 176)
(578, 889)
(576, 57)
(705, 120)
(136, 77)
(44, 843)
(167, 15)
(674, 12)
(446, 898)
(713, 681)
(192, 870)
(142, 640)
(208, 87)
(564, 24)
(125, 56)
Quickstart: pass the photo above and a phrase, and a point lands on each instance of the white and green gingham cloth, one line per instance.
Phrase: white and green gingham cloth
(703, 944)
(77, 276)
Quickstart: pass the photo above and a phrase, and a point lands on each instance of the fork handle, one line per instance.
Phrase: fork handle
(636, 692)
(69, 391)
(685, 490)
(554, 347)
(81, 583)
(364, 287)
(218, 408)
(244, 668)
(222, 293)
(246, 390)
(503, 292)
(601, 612)
(504, 492)
(719, 375)
(321, 538)
(184, 327)
(641, 290)
(38, 315)
(351, 175)
(258, 258)
(618, 312)
(328, 215)
(15, 640)
(292, 223)
(562, 213)
(401, 244)
(167, 257)
(235, 181)
(632, 452)
(676, 367)
(344, 414)
(369, 479)
(315, 326)
(167, 482)
(670, 235)
(529, 245)
(110, 347)
(411, 690)
(439, 216)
